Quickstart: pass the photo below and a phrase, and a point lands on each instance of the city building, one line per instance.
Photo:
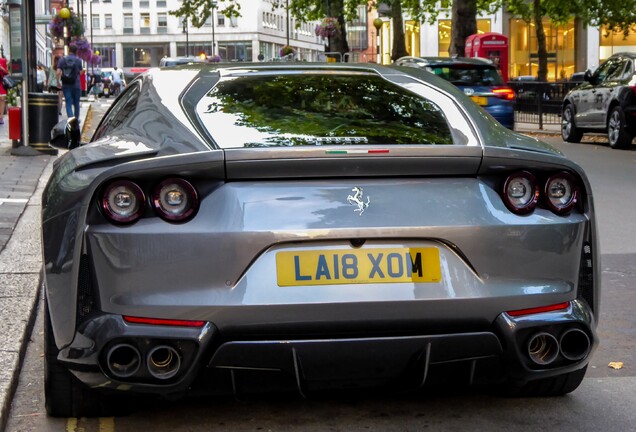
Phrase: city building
(135, 35)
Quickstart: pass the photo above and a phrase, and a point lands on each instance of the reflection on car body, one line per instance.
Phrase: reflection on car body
(302, 227)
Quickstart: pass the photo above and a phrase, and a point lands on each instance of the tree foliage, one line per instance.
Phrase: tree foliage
(198, 11)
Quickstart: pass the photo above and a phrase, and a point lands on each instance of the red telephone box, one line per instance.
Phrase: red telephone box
(468, 49)
(492, 46)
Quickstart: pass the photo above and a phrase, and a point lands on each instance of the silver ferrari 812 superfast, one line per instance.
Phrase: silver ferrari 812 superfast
(294, 226)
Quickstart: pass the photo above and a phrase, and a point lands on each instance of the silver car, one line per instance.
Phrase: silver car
(306, 227)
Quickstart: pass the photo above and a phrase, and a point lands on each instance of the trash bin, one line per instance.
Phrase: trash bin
(43, 116)
(15, 124)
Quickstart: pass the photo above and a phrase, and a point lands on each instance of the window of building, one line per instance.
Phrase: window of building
(128, 23)
(444, 34)
(220, 20)
(144, 23)
(95, 21)
(144, 4)
(127, 4)
(193, 48)
(161, 3)
(560, 44)
(412, 37)
(235, 51)
(357, 30)
(162, 22)
(108, 21)
(615, 42)
(144, 56)
(107, 55)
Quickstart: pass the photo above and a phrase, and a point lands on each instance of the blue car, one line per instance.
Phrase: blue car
(477, 77)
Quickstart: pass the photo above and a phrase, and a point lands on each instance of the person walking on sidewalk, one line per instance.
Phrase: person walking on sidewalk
(68, 71)
(55, 86)
(4, 71)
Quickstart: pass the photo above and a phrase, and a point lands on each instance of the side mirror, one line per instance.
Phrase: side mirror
(66, 134)
(588, 76)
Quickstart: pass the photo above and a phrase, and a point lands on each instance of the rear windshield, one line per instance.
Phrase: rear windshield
(469, 75)
(319, 109)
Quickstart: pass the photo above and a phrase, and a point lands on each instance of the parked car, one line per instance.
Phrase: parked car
(477, 77)
(299, 226)
(176, 61)
(606, 102)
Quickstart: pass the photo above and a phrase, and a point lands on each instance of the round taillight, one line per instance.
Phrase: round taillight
(123, 202)
(520, 192)
(561, 192)
(175, 200)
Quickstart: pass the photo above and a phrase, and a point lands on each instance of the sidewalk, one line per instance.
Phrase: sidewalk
(22, 179)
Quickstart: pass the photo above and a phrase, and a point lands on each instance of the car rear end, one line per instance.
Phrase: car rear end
(348, 230)
(483, 83)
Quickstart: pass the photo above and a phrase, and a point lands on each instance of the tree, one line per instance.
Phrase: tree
(198, 11)
(312, 10)
(399, 40)
(463, 24)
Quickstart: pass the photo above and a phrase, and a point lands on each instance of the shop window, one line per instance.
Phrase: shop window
(444, 34)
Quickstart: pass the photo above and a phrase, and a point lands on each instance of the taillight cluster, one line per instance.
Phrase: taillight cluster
(173, 200)
(521, 192)
(504, 93)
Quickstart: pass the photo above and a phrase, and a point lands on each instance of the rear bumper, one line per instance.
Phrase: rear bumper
(210, 364)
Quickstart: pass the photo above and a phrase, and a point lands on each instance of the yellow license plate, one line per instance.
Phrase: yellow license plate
(358, 266)
(480, 100)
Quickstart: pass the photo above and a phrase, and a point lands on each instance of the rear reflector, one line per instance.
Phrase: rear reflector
(164, 322)
(540, 309)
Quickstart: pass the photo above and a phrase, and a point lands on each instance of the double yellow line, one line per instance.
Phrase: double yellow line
(105, 424)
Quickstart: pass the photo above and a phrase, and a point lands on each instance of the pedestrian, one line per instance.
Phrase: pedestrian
(116, 76)
(40, 79)
(68, 72)
(55, 87)
(83, 82)
(96, 81)
(4, 71)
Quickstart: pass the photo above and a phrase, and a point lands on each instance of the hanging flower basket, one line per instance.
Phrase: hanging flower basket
(328, 27)
(74, 24)
(84, 50)
(286, 50)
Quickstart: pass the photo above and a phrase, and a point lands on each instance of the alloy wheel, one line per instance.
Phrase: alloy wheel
(614, 127)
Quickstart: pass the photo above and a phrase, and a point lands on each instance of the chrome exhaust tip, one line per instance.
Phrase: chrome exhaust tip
(543, 348)
(575, 344)
(163, 362)
(123, 360)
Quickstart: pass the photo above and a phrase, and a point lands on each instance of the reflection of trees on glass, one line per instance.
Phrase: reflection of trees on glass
(327, 109)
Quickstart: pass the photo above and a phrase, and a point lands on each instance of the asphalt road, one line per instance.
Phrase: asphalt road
(604, 402)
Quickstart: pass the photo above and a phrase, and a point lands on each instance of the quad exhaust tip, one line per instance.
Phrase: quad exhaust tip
(543, 348)
(163, 362)
(123, 360)
(575, 344)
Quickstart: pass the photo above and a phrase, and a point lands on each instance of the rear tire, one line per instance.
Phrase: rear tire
(545, 387)
(569, 131)
(617, 133)
(65, 395)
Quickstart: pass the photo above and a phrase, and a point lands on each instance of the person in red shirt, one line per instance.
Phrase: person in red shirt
(4, 70)
(83, 82)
